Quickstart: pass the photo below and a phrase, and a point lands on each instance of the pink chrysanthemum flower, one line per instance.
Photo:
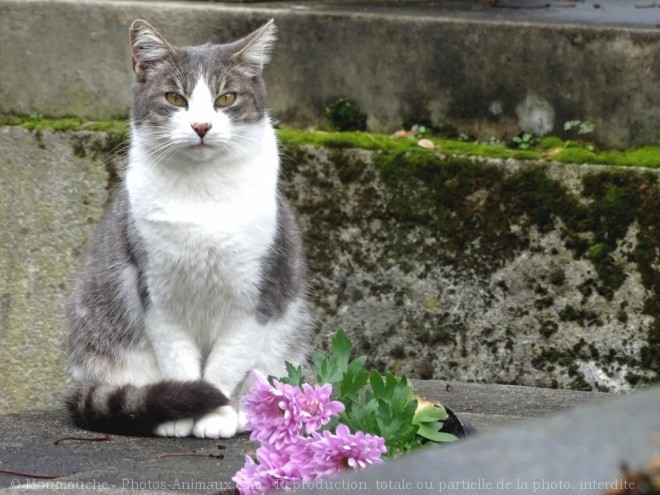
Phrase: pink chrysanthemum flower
(273, 412)
(276, 414)
(273, 471)
(331, 453)
(316, 407)
(248, 479)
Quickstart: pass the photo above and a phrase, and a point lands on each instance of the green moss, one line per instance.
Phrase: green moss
(579, 383)
(638, 157)
(595, 252)
(119, 127)
(551, 142)
(617, 203)
(525, 155)
(344, 140)
(474, 148)
(345, 115)
(576, 156)
(36, 122)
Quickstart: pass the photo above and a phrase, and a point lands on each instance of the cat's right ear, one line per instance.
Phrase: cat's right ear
(147, 46)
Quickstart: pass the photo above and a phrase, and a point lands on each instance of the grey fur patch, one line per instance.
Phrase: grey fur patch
(102, 314)
(283, 270)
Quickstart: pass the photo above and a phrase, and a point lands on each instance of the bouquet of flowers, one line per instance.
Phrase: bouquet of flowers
(304, 434)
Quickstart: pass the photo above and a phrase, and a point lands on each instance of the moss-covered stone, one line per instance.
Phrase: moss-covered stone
(37, 122)
(536, 256)
(459, 263)
(575, 153)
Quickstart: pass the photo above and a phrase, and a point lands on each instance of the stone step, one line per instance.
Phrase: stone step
(137, 464)
(492, 407)
(488, 72)
(579, 451)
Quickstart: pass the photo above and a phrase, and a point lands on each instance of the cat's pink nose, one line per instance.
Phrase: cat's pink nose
(201, 128)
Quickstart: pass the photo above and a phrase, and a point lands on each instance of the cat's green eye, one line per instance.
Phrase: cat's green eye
(176, 100)
(225, 100)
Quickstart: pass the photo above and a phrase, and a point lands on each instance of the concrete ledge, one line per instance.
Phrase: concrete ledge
(483, 76)
(527, 273)
(580, 451)
(132, 463)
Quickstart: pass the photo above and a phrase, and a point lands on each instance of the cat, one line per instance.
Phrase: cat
(195, 275)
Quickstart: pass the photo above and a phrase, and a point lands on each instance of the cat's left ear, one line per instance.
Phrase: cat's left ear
(147, 46)
(255, 49)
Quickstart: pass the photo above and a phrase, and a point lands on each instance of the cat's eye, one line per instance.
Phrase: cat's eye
(176, 100)
(225, 100)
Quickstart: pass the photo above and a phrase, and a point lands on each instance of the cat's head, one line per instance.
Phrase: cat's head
(201, 101)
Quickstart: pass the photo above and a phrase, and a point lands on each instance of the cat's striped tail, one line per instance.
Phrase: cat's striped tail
(137, 410)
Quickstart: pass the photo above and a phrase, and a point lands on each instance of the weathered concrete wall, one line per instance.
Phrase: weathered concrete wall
(524, 273)
(510, 272)
(483, 77)
(51, 196)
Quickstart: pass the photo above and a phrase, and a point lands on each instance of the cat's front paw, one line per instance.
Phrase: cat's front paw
(178, 428)
(242, 421)
(221, 423)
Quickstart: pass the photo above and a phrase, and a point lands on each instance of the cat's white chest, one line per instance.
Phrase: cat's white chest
(206, 236)
(206, 251)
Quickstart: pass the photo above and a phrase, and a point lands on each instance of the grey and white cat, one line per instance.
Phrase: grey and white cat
(195, 275)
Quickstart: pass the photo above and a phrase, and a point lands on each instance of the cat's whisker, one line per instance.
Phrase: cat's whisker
(118, 153)
(160, 154)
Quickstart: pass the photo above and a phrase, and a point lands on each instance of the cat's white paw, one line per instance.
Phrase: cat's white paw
(178, 428)
(221, 423)
(242, 421)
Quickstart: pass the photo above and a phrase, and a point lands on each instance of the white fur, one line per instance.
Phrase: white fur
(179, 428)
(208, 215)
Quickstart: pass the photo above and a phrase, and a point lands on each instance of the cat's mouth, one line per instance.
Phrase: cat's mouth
(202, 149)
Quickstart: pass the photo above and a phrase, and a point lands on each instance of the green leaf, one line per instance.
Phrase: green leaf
(377, 385)
(362, 416)
(395, 429)
(430, 432)
(325, 369)
(402, 394)
(331, 369)
(320, 370)
(294, 375)
(341, 350)
(317, 357)
(353, 380)
(429, 414)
